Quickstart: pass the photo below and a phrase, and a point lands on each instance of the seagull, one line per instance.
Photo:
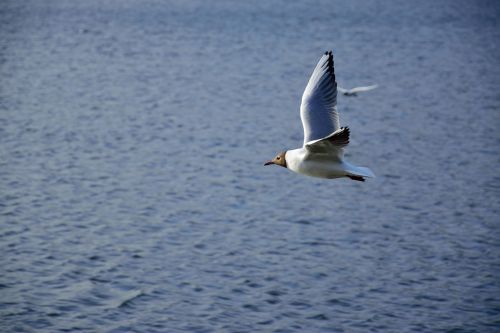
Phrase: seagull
(322, 154)
(355, 91)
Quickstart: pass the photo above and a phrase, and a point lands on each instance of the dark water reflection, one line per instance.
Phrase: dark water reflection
(133, 197)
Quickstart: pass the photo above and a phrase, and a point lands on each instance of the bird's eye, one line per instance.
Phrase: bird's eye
(278, 158)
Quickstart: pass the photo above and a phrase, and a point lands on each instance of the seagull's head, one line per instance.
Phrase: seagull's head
(278, 160)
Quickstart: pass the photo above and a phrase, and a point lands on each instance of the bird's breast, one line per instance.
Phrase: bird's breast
(315, 166)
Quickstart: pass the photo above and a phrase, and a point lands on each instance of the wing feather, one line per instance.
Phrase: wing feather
(362, 89)
(318, 110)
(333, 144)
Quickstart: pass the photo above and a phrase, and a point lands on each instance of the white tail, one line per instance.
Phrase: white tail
(360, 171)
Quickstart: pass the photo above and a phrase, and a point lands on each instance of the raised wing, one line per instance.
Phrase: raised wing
(361, 89)
(333, 144)
(318, 110)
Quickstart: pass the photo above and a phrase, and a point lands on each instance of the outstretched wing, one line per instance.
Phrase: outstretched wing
(361, 89)
(318, 110)
(333, 144)
(342, 90)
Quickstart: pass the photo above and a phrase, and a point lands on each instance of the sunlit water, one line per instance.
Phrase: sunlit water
(133, 196)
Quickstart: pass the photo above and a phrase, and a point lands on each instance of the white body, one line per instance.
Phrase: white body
(322, 165)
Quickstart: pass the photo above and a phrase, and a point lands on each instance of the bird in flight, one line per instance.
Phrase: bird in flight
(355, 91)
(322, 154)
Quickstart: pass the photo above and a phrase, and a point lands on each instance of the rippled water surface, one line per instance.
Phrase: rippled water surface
(133, 196)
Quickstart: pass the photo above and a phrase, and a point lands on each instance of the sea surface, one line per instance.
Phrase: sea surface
(133, 196)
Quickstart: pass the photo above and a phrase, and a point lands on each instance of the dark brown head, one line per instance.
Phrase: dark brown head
(278, 160)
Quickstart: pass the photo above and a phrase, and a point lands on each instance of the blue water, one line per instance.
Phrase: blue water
(133, 196)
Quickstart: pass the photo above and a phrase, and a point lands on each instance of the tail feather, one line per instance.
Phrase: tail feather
(360, 173)
(364, 172)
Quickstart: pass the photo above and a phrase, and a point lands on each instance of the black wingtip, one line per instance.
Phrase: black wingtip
(358, 178)
(330, 64)
(330, 68)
